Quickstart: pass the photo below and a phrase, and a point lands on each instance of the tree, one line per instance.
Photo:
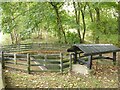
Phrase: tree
(80, 7)
(119, 23)
(56, 6)
(98, 22)
(9, 23)
(83, 7)
(77, 17)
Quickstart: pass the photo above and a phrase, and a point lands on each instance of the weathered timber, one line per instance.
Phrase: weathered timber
(89, 64)
(28, 63)
(61, 62)
(45, 58)
(90, 50)
(70, 62)
(15, 59)
(2, 60)
(45, 71)
(114, 58)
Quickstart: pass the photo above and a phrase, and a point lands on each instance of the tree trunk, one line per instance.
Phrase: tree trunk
(98, 22)
(16, 38)
(38, 33)
(91, 16)
(97, 14)
(11, 36)
(77, 16)
(84, 24)
(59, 24)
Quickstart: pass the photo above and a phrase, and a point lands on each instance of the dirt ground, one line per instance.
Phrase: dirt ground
(103, 75)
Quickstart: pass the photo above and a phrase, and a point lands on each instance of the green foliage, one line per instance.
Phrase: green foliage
(72, 38)
(22, 19)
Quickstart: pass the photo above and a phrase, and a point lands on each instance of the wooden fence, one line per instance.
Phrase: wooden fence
(37, 62)
(34, 46)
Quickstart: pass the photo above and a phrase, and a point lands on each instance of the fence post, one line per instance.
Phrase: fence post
(114, 58)
(89, 64)
(28, 63)
(15, 58)
(19, 47)
(70, 62)
(45, 58)
(61, 62)
(3, 60)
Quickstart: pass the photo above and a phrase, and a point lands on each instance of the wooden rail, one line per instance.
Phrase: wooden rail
(56, 62)
(34, 46)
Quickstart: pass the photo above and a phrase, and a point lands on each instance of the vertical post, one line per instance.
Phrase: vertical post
(89, 64)
(19, 47)
(2, 61)
(45, 58)
(70, 62)
(61, 62)
(100, 55)
(75, 57)
(28, 63)
(79, 54)
(114, 58)
(15, 58)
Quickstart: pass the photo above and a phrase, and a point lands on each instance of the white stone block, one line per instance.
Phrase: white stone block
(82, 69)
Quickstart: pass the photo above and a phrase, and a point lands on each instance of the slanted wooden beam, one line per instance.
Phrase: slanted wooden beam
(83, 61)
(102, 57)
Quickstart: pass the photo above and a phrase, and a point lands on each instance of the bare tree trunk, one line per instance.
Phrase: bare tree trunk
(38, 33)
(16, 38)
(60, 25)
(19, 38)
(77, 16)
(11, 36)
(84, 24)
(98, 22)
(91, 16)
